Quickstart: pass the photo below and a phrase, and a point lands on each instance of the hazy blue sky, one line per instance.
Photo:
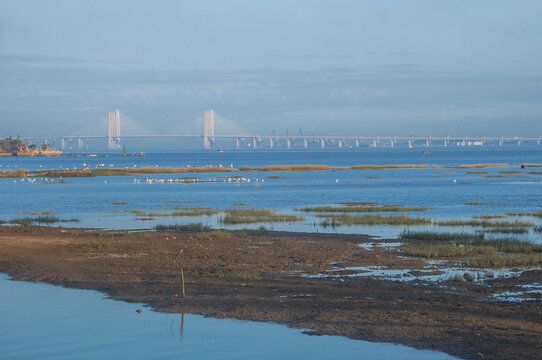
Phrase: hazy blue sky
(341, 66)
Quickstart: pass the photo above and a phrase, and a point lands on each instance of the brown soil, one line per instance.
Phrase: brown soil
(235, 275)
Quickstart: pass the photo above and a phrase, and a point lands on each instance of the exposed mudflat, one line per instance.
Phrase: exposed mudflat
(268, 278)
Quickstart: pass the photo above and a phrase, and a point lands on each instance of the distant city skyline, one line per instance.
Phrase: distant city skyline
(341, 67)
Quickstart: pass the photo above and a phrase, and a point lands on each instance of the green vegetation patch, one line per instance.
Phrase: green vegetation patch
(486, 223)
(181, 228)
(489, 216)
(39, 220)
(362, 209)
(473, 249)
(349, 220)
(537, 214)
(250, 216)
(177, 212)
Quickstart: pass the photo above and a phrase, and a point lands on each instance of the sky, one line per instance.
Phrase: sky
(326, 67)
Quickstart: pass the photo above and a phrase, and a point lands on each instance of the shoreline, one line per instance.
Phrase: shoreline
(268, 278)
(128, 171)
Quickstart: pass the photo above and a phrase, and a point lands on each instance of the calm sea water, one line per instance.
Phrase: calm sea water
(41, 321)
(446, 191)
(44, 322)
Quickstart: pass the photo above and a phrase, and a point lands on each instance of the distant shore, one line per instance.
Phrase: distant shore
(31, 153)
(274, 276)
(22, 173)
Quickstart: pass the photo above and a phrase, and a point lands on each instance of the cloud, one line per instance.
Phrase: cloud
(259, 100)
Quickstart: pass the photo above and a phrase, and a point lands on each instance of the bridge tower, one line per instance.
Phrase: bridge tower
(208, 129)
(113, 132)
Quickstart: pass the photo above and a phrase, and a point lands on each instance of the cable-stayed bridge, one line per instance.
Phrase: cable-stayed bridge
(209, 138)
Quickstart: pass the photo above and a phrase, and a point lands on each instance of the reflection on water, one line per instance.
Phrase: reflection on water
(41, 321)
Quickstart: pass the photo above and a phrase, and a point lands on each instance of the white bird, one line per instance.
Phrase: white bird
(455, 181)
(337, 180)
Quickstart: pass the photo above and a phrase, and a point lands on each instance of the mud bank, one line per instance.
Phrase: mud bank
(275, 278)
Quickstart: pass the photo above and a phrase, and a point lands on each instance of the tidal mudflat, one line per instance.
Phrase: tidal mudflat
(328, 284)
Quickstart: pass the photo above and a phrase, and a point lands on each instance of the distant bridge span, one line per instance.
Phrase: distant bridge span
(243, 141)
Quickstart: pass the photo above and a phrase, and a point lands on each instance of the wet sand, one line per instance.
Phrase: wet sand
(266, 278)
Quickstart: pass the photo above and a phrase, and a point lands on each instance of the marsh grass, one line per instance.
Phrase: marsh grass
(473, 250)
(477, 203)
(451, 237)
(27, 221)
(200, 228)
(504, 260)
(507, 231)
(489, 216)
(117, 172)
(477, 172)
(35, 213)
(446, 250)
(294, 168)
(537, 214)
(478, 166)
(349, 220)
(362, 209)
(182, 228)
(181, 212)
(485, 223)
(250, 216)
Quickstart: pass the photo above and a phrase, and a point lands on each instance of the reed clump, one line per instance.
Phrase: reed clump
(183, 228)
(182, 212)
(489, 216)
(349, 220)
(504, 260)
(507, 231)
(451, 237)
(28, 221)
(446, 250)
(537, 214)
(362, 209)
(472, 249)
(250, 216)
(486, 223)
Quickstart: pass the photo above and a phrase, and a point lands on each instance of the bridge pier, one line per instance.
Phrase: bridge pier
(254, 143)
(340, 143)
(80, 143)
(237, 143)
(288, 143)
(305, 143)
(322, 143)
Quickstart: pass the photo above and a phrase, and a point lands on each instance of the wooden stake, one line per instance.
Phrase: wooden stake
(182, 280)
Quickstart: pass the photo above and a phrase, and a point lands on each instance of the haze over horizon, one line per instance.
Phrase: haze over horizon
(347, 66)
